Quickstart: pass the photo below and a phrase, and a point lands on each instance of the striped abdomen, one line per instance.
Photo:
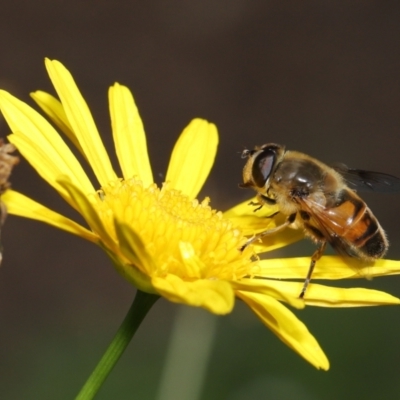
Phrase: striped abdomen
(350, 219)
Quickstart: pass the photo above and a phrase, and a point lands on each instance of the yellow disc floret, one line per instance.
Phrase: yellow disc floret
(176, 230)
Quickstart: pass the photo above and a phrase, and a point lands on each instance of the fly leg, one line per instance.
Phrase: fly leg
(262, 199)
(315, 257)
(277, 229)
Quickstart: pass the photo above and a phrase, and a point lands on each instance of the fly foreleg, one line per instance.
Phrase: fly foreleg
(277, 229)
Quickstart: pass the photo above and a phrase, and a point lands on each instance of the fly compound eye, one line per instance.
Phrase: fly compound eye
(262, 166)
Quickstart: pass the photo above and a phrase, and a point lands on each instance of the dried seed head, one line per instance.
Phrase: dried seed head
(7, 162)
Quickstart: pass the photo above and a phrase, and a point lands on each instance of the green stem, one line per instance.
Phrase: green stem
(139, 308)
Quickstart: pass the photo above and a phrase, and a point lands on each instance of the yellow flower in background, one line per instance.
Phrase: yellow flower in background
(161, 239)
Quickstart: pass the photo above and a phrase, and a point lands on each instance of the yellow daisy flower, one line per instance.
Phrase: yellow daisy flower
(161, 239)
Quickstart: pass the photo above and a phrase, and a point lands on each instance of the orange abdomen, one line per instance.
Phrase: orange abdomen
(351, 219)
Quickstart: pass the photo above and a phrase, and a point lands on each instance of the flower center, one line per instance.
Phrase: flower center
(169, 223)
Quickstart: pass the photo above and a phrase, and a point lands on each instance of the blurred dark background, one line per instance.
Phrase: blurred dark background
(320, 77)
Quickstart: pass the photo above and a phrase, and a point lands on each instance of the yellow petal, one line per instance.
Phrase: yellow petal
(213, 295)
(282, 291)
(252, 222)
(40, 144)
(278, 240)
(286, 326)
(40, 161)
(325, 296)
(18, 204)
(55, 111)
(192, 157)
(129, 135)
(133, 248)
(328, 267)
(81, 121)
(88, 211)
(131, 273)
(256, 219)
(318, 295)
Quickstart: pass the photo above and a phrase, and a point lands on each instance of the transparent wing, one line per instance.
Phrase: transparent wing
(331, 230)
(360, 180)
